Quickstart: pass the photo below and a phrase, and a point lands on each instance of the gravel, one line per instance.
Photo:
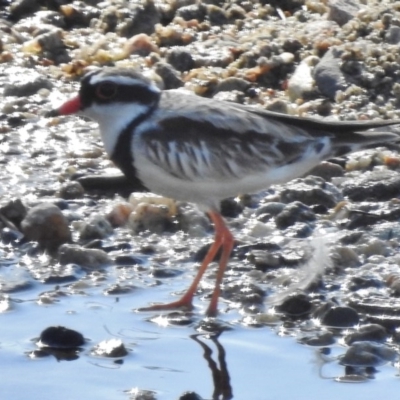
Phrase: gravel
(334, 60)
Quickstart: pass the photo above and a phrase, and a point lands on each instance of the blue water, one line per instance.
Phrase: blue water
(258, 363)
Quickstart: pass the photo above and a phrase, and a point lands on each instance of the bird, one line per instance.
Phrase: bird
(203, 150)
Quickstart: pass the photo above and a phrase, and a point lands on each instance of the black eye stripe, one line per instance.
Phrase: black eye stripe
(109, 91)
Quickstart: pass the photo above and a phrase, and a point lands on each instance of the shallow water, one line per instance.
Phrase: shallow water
(250, 363)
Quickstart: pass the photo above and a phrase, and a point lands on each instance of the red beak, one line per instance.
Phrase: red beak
(69, 107)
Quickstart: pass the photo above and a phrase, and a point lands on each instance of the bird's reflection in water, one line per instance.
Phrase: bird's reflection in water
(219, 369)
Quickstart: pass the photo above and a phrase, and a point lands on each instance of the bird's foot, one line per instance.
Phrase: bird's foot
(179, 304)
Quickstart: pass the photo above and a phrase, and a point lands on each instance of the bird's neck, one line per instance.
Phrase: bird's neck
(116, 119)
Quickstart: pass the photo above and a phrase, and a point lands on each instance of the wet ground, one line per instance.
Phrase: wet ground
(342, 303)
(249, 363)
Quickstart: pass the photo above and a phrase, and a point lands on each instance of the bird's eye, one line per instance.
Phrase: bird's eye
(106, 90)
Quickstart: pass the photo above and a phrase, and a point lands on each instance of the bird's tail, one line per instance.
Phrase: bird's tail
(354, 141)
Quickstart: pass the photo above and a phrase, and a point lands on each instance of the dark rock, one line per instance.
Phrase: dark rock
(292, 213)
(79, 14)
(312, 190)
(373, 185)
(21, 8)
(273, 208)
(243, 251)
(195, 11)
(8, 236)
(299, 230)
(16, 119)
(296, 305)
(108, 184)
(327, 170)
(190, 396)
(160, 272)
(117, 247)
(364, 282)
(244, 293)
(61, 337)
(393, 35)
(340, 317)
(58, 274)
(138, 18)
(377, 305)
(180, 58)
(46, 224)
(97, 227)
(169, 75)
(14, 285)
(128, 260)
(233, 83)
(71, 190)
(179, 318)
(264, 260)
(322, 339)
(117, 289)
(53, 47)
(15, 211)
(371, 332)
(230, 208)
(366, 354)
(216, 15)
(389, 322)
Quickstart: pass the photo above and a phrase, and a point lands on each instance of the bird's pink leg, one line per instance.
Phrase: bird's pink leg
(227, 246)
(186, 300)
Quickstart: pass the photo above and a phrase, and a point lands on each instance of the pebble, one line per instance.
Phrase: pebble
(378, 185)
(302, 81)
(14, 210)
(340, 317)
(61, 337)
(112, 348)
(58, 274)
(46, 224)
(88, 259)
(27, 85)
(169, 75)
(116, 290)
(190, 396)
(244, 293)
(119, 214)
(294, 212)
(371, 332)
(71, 190)
(342, 11)
(368, 354)
(345, 256)
(312, 190)
(150, 217)
(180, 58)
(327, 170)
(141, 394)
(328, 75)
(322, 339)
(296, 306)
(96, 227)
